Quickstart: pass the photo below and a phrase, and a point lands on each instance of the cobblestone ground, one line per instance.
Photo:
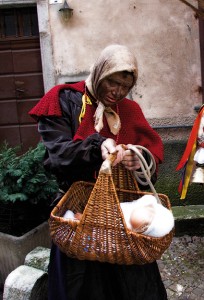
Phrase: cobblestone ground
(182, 268)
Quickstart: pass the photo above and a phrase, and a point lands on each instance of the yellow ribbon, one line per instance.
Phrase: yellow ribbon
(188, 172)
(85, 100)
(111, 116)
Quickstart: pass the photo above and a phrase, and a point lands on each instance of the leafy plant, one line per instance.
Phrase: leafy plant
(23, 178)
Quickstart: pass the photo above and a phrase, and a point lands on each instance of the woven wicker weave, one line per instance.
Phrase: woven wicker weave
(102, 234)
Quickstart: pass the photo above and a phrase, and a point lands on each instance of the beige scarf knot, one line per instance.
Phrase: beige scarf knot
(112, 118)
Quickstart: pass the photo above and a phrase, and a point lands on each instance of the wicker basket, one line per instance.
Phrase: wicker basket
(102, 234)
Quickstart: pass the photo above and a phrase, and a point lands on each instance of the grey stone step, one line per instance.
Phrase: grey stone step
(25, 283)
(188, 212)
(38, 258)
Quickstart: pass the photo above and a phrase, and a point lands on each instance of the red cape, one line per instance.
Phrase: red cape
(137, 130)
(49, 104)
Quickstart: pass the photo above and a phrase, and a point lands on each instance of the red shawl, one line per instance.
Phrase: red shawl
(134, 127)
(49, 103)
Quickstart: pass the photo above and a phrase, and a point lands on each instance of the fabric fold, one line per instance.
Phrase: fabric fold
(112, 118)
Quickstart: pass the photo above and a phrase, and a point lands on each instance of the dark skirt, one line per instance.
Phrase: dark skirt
(72, 279)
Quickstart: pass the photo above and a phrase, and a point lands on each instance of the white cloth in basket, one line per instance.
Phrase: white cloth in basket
(159, 223)
(69, 215)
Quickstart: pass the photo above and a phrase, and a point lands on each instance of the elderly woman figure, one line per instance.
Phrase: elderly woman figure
(80, 125)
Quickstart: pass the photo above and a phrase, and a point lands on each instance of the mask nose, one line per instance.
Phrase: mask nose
(117, 92)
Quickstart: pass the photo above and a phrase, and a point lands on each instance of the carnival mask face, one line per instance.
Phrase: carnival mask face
(114, 88)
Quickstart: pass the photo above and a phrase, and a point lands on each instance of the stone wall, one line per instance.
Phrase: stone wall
(164, 35)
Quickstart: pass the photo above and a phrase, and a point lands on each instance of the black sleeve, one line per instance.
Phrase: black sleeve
(64, 157)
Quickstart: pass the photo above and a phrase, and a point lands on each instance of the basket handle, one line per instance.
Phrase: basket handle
(106, 165)
(146, 170)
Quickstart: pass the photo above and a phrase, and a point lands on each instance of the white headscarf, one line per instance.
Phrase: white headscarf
(114, 58)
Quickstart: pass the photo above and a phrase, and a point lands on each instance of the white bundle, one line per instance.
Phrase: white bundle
(155, 218)
(69, 215)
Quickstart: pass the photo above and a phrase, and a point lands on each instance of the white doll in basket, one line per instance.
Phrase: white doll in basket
(70, 215)
(144, 216)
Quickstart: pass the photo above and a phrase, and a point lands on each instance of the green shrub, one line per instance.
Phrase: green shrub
(23, 178)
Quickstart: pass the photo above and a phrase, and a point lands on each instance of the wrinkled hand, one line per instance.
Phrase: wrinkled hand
(130, 159)
(120, 154)
(109, 147)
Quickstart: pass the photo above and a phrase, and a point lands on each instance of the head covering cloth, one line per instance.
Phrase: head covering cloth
(114, 58)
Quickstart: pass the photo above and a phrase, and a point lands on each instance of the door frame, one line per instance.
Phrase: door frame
(49, 79)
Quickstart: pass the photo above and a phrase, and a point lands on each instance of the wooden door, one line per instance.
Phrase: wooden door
(21, 81)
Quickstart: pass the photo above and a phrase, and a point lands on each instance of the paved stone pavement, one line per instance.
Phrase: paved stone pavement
(182, 268)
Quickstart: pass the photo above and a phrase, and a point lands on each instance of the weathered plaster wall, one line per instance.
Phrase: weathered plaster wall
(163, 34)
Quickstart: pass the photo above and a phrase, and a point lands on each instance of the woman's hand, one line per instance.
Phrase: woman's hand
(130, 159)
(108, 147)
(120, 154)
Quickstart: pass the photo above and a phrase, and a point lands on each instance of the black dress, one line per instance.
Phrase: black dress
(72, 279)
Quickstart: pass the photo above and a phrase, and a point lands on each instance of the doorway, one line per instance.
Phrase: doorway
(21, 79)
